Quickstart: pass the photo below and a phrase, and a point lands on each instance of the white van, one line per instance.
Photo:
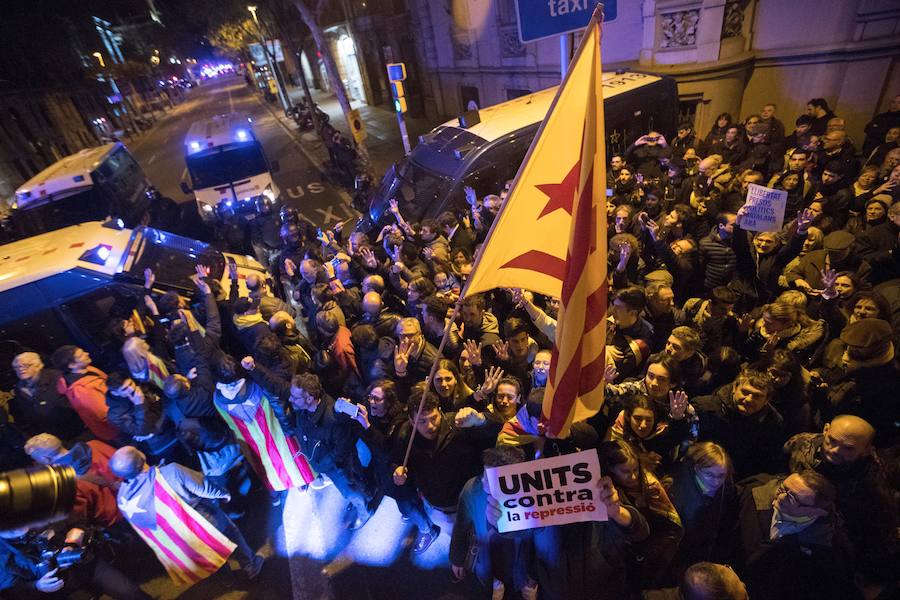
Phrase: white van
(228, 170)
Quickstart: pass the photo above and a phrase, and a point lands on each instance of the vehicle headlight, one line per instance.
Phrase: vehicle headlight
(206, 207)
(269, 193)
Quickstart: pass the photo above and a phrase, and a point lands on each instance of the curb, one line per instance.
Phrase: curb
(310, 156)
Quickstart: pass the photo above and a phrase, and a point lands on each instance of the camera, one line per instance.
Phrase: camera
(57, 552)
(34, 495)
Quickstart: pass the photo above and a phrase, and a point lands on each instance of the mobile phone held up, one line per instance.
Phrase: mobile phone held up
(342, 405)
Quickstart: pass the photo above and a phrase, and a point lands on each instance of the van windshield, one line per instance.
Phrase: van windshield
(120, 176)
(172, 257)
(226, 164)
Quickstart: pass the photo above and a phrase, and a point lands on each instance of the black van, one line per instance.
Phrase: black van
(485, 149)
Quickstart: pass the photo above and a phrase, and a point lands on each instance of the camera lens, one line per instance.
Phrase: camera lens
(35, 494)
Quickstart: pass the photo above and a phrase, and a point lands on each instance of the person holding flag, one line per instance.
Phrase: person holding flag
(173, 509)
(254, 414)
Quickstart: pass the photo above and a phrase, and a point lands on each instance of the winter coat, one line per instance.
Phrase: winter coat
(42, 408)
(753, 441)
(718, 260)
(705, 520)
(812, 564)
(87, 395)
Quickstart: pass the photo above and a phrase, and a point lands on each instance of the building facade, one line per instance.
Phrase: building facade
(726, 55)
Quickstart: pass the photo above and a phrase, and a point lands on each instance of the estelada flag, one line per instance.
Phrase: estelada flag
(550, 236)
(185, 542)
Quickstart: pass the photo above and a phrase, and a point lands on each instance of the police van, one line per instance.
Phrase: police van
(228, 170)
(65, 286)
(484, 148)
(92, 184)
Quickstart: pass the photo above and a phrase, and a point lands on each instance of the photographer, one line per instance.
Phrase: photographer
(44, 561)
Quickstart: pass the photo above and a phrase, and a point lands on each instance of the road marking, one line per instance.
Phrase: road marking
(328, 214)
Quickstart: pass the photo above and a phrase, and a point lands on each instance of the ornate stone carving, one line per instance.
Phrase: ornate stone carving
(462, 45)
(733, 23)
(679, 29)
(510, 46)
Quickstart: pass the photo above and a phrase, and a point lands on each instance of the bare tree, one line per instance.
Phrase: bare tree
(310, 16)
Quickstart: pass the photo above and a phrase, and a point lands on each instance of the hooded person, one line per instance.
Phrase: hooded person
(255, 417)
(173, 509)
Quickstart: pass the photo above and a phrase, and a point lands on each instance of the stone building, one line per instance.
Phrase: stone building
(726, 55)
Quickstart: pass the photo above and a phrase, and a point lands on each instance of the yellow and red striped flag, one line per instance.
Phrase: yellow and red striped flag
(550, 237)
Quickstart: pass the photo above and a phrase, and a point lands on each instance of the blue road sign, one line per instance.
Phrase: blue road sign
(540, 19)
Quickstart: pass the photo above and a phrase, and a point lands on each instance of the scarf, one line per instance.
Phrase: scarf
(784, 524)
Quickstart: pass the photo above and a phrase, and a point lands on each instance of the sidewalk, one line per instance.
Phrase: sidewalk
(383, 141)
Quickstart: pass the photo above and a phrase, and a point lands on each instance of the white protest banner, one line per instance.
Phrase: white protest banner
(549, 491)
(764, 209)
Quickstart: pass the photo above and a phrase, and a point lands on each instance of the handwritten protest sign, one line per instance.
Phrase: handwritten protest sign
(550, 491)
(764, 209)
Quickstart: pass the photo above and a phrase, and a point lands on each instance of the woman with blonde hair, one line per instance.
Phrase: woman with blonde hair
(144, 366)
(702, 491)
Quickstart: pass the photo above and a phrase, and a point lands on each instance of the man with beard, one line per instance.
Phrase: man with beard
(844, 453)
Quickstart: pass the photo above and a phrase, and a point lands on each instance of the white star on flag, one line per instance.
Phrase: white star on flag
(130, 507)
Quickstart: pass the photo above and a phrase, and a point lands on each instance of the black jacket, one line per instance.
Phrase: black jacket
(753, 442)
(328, 438)
(42, 409)
(439, 468)
(718, 259)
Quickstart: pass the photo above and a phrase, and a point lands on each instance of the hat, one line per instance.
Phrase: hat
(838, 240)
(866, 333)
(242, 305)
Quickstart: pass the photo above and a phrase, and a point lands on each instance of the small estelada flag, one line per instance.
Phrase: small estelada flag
(550, 236)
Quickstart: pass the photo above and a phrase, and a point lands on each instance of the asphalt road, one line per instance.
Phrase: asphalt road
(160, 151)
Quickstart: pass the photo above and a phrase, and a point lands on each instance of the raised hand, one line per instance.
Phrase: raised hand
(607, 494)
(744, 322)
(678, 402)
(149, 278)
(473, 352)
(329, 268)
(624, 254)
(151, 305)
(401, 356)
(232, 270)
(471, 198)
(322, 237)
(804, 220)
(491, 378)
(652, 227)
(468, 417)
(200, 283)
(248, 363)
(202, 270)
(501, 349)
(770, 344)
(394, 207)
(368, 257)
(610, 373)
(362, 416)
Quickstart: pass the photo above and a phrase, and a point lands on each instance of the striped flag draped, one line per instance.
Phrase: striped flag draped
(184, 541)
(275, 456)
(550, 237)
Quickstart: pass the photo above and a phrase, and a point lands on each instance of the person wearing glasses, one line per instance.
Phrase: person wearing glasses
(792, 543)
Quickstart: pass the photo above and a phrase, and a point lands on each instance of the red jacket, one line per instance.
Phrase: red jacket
(87, 395)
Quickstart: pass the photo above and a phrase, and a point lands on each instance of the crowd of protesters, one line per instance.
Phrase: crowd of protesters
(751, 414)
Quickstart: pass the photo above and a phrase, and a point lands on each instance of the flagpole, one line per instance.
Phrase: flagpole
(596, 18)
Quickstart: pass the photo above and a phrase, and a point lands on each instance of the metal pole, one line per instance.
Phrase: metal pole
(402, 122)
(306, 92)
(565, 54)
